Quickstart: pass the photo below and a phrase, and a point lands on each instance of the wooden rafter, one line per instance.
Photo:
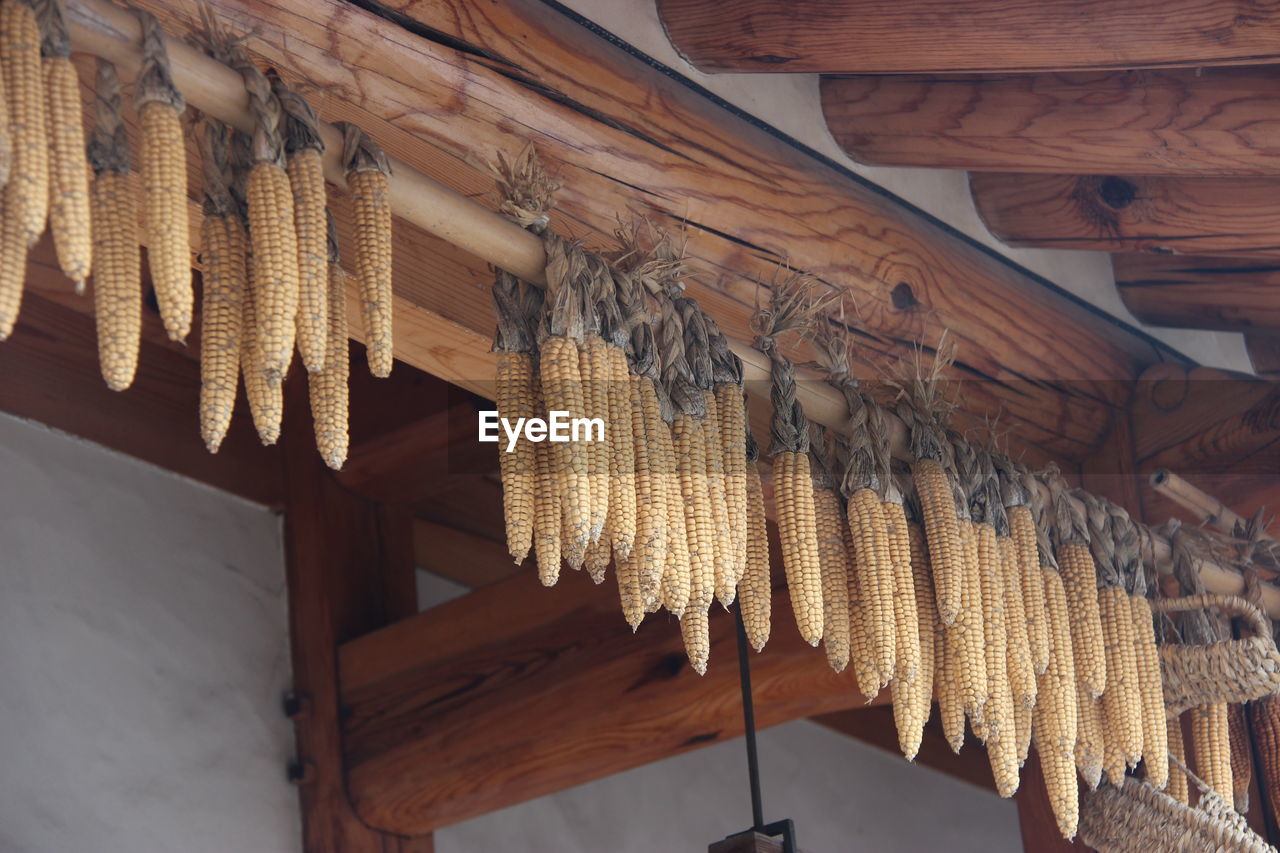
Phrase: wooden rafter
(1232, 294)
(609, 125)
(966, 36)
(1209, 121)
(1156, 214)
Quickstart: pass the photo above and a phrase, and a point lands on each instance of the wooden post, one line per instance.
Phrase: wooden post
(350, 569)
(747, 842)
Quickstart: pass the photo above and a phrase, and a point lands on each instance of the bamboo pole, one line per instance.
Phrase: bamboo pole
(103, 29)
(1210, 510)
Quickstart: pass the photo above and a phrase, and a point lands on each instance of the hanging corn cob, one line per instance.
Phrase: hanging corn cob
(1211, 744)
(1177, 787)
(26, 194)
(117, 275)
(1054, 718)
(327, 387)
(831, 553)
(911, 699)
(6, 129)
(303, 147)
(1241, 756)
(593, 368)
(905, 612)
(1264, 720)
(224, 277)
(755, 592)
(368, 179)
(1079, 575)
(68, 166)
(789, 309)
(1022, 529)
(162, 166)
(622, 510)
(731, 410)
(968, 630)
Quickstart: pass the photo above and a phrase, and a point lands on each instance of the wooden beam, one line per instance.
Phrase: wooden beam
(1230, 294)
(1154, 214)
(621, 136)
(1208, 121)
(514, 692)
(349, 568)
(966, 36)
(1264, 352)
(460, 556)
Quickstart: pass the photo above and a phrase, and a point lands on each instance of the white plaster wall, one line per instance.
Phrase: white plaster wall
(843, 795)
(790, 103)
(143, 656)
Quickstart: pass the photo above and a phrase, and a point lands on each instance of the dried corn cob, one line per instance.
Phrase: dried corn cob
(950, 698)
(628, 575)
(1054, 716)
(940, 524)
(562, 388)
(696, 631)
(303, 147)
(865, 673)
(755, 591)
(1211, 743)
(162, 166)
(1021, 674)
(1177, 787)
(1122, 700)
(1264, 720)
(517, 465)
(733, 426)
(6, 132)
(968, 627)
(876, 582)
(906, 617)
(596, 563)
(1087, 644)
(266, 400)
(27, 192)
(911, 699)
(691, 463)
(328, 387)
(1023, 529)
(1090, 745)
(726, 576)
(1241, 756)
(1155, 740)
(546, 505)
(593, 368)
(658, 502)
(622, 457)
(997, 721)
(117, 275)
(222, 263)
(368, 179)
(676, 581)
(797, 530)
(835, 576)
(69, 216)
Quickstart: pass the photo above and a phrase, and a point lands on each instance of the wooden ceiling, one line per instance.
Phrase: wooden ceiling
(1145, 128)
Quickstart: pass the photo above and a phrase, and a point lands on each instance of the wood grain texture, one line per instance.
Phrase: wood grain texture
(514, 691)
(349, 567)
(948, 36)
(1231, 294)
(1264, 352)
(1138, 213)
(1212, 121)
(622, 137)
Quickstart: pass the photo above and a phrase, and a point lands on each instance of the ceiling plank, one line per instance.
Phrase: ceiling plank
(621, 137)
(514, 692)
(1211, 121)
(1139, 213)
(1191, 292)
(967, 36)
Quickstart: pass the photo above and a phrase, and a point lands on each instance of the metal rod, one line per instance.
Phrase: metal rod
(749, 723)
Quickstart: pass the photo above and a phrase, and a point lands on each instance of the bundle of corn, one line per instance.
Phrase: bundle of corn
(1264, 720)
(117, 273)
(832, 556)
(368, 179)
(755, 591)
(525, 195)
(1136, 568)
(730, 407)
(997, 724)
(688, 423)
(26, 192)
(1122, 699)
(224, 277)
(69, 215)
(1055, 718)
(791, 309)
(870, 616)
(327, 387)
(661, 550)
(303, 147)
(162, 164)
